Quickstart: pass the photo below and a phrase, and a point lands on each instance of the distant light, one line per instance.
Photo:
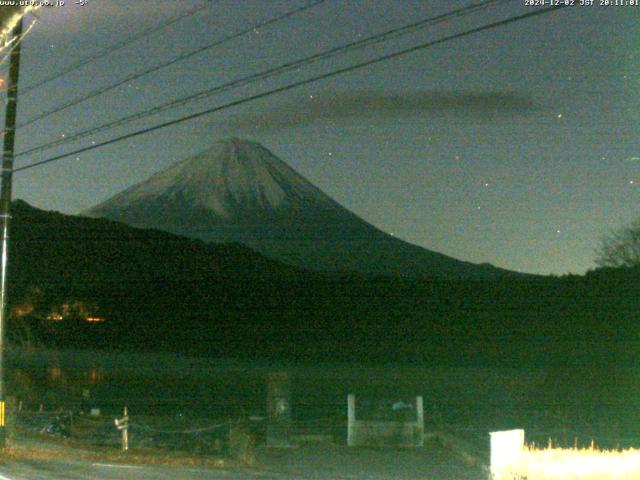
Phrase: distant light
(557, 231)
(311, 97)
(559, 115)
(54, 374)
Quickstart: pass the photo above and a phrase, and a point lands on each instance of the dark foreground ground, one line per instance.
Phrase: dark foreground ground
(433, 462)
(180, 406)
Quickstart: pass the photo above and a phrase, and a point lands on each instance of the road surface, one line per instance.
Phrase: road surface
(83, 470)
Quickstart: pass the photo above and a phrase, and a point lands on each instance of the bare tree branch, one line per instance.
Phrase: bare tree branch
(620, 248)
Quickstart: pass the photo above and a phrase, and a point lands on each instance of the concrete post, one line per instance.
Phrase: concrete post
(420, 420)
(351, 414)
(278, 409)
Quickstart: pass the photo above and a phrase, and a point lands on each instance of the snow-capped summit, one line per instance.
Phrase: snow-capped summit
(232, 176)
(239, 191)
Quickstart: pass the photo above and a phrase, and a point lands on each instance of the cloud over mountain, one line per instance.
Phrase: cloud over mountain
(334, 106)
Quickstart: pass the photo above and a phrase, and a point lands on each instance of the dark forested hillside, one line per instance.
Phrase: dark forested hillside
(159, 291)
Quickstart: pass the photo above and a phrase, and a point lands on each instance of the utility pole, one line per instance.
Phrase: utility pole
(5, 206)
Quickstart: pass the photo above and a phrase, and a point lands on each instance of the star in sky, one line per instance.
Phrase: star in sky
(452, 107)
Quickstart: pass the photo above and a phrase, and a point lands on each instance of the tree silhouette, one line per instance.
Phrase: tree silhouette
(620, 248)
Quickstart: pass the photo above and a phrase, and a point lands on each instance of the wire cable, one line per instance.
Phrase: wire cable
(183, 432)
(371, 40)
(293, 85)
(112, 48)
(135, 76)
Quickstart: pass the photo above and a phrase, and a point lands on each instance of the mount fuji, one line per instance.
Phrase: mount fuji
(238, 191)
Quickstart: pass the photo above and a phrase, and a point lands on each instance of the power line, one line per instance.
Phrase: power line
(371, 40)
(117, 46)
(293, 85)
(162, 65)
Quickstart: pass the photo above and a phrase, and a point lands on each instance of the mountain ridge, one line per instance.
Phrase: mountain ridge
(161, 292)
(238, 190)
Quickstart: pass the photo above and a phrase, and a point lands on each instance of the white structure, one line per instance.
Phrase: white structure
(405, 433)
(506, 449)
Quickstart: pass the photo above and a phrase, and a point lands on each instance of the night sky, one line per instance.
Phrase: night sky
(517, 146)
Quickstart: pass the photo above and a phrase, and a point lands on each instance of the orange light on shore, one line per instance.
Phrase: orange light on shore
(95, 319)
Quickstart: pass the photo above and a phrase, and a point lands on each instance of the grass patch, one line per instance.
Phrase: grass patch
(576, 464)
(25, 446)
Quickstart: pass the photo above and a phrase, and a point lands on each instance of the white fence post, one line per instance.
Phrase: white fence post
(506, 450)
(125, 432)
(123, 425)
